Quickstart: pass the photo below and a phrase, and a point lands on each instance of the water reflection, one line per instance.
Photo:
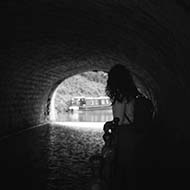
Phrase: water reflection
(69, 152)
(87, 116)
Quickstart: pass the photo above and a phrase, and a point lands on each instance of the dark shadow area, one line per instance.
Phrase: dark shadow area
(24, 160)
(44, 42)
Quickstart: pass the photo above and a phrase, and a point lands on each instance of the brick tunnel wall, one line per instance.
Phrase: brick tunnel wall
(45, 43)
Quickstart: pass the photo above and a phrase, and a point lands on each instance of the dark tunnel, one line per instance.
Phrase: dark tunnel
(43, 42)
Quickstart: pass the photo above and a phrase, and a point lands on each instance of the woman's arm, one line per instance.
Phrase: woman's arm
(118, 109)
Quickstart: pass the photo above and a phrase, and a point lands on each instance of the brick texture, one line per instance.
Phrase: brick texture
(44, 43)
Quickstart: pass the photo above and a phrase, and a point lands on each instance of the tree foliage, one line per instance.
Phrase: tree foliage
(85, 84)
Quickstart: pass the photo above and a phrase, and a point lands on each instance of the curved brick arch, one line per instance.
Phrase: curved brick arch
(44, 42)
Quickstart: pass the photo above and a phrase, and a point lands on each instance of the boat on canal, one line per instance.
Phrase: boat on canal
(89, 103)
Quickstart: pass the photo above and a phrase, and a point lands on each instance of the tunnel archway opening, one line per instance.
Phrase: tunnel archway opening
(86, 86)
(78, 85)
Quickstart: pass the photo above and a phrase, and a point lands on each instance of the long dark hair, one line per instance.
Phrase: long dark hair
(120, 84)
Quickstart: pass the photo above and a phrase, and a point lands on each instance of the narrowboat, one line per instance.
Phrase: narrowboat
(90, 103)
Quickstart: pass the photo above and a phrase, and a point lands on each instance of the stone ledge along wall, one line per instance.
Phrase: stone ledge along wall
(44, 42)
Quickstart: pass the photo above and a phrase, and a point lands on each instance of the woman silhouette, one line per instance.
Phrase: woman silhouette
(135, 115)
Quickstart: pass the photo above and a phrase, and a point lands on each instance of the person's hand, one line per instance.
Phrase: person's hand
(108, 125)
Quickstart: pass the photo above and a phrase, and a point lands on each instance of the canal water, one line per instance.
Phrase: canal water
(86, 116)
(51, 157)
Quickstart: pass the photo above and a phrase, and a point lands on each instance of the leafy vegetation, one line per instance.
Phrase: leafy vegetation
(85, 84)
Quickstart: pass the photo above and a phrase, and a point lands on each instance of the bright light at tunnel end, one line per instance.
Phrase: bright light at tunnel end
(55, 119)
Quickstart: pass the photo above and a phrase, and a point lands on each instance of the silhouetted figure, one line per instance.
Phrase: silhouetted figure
(109, 151)
(135, 116)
